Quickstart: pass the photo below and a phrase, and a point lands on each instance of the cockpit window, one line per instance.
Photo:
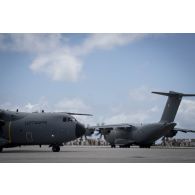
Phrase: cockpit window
(67, 119)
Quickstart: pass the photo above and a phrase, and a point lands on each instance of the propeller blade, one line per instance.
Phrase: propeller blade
(72, 113)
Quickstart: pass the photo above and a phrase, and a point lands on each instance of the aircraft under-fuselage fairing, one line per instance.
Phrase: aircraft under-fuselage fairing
(53, 129)
(144, 135)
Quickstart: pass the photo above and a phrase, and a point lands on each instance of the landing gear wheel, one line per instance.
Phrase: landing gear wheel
(113, 146)
(124, 146)
(145, 146)
(1, 149)
(55, 148)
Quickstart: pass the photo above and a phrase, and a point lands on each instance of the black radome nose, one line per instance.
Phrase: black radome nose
(80, 130)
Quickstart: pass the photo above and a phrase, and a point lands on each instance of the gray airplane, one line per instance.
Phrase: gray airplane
(144, 135)
(53, 129)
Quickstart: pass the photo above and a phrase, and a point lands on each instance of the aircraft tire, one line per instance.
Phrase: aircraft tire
(55, 148)
(124, 146)
(1, 149)
(113, 146)
(145, 146)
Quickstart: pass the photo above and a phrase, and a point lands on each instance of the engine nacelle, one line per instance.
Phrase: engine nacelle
(171, 133)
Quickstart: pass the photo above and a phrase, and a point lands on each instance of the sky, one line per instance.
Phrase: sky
(108, 75)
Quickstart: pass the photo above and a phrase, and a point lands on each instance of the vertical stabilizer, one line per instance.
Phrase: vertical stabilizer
(172, 105)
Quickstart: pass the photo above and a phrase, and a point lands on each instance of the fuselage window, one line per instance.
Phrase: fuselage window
(64, 119)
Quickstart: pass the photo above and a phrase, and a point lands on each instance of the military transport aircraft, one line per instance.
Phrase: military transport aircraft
(144, 135)
(53, 129)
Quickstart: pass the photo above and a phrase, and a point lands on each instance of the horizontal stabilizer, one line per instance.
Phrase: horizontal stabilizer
(173, 93)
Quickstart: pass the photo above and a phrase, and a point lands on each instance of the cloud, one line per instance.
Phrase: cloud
(41, 104)
(63, 105)
(30, 106)
(7, 105)
(58, 66)
(71, 105)
(127, 118)
(141, 94)
(108, 41)
(133, 116)
(56, 57)
(31, 43)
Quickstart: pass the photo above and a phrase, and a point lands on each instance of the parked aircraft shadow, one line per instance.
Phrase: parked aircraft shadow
(39, 151)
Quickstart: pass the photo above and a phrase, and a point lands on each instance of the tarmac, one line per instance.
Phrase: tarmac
(97, 154)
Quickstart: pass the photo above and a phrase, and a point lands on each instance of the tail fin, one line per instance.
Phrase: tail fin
(172, 105)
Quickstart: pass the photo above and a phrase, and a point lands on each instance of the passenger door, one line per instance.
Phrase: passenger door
(29, 137)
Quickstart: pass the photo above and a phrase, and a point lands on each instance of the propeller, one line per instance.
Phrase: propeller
(98, 133)
(72, 113)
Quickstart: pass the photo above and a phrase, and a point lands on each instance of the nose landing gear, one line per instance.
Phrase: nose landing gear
(55, 148)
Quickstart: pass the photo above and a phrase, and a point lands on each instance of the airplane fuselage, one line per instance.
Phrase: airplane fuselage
(140, 134)
(52, 129)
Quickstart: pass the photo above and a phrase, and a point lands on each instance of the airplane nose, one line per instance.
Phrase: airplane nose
(80, 130)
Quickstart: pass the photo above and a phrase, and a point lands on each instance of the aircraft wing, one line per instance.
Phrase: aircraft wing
(106, 129)
(184, 130)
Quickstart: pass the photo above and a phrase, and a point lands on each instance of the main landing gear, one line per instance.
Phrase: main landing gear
(145, 146)
(55, 148)
(121, 146)
(124, 146)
